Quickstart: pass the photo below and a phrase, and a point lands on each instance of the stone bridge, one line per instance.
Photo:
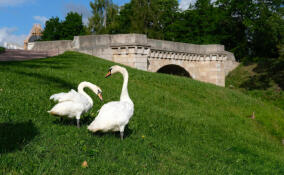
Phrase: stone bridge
(207, 63)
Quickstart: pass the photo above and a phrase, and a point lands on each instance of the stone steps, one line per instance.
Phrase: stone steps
(20, 55)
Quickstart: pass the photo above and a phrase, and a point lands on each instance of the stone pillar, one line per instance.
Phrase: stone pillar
(133, 56)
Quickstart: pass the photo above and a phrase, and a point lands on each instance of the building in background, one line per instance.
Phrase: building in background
(34, 35)
(12, 46)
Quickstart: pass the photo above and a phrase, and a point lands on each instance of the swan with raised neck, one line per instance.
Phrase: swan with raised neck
(115, 115)
(124, 96)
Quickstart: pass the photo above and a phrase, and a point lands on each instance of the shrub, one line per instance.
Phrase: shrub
(2, 50)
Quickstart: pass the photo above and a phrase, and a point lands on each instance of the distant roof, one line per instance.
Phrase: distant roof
(34, 34)
(34, 38)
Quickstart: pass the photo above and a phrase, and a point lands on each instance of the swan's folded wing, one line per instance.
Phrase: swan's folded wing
(111, 116)
(70, 96)
(113, 111)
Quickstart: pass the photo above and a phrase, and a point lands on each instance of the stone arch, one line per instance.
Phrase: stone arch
(174, 69)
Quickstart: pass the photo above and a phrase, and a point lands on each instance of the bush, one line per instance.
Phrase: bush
(2, 49)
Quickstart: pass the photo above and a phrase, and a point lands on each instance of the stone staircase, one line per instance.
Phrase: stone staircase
(20, 55)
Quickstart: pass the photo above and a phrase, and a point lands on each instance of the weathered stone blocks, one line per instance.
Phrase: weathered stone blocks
(207, 63)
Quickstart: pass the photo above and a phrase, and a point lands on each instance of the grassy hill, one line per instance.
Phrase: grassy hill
(259, 80)
(180, 126)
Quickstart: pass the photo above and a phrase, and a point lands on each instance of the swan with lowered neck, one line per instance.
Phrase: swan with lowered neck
(114, 116)
(74, 104)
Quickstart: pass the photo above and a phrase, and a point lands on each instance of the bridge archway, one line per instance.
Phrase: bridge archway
(174, 70)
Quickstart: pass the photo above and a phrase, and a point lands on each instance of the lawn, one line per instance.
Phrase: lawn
(180, 126)
(257, 80)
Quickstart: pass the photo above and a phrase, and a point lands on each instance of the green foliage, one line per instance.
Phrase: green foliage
(72, 26)
(250, 28)
(277, 68)
(52, 30)
(2, 50)
(138, 16)
(104, 13)
(260, 77)
(266, 29)
(63, 30)
(180, 126)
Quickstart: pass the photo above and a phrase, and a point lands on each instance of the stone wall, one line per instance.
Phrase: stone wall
(59, 46)
(208, 63)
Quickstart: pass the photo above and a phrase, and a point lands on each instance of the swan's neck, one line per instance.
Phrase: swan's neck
(124, 92)
(81, 91)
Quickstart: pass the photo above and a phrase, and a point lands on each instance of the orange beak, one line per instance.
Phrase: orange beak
(108, 74)
(100, 96)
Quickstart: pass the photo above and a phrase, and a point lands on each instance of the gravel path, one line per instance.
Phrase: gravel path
(20, 55)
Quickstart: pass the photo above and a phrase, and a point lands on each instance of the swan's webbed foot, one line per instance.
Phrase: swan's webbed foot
(78, 123)
(121, 135)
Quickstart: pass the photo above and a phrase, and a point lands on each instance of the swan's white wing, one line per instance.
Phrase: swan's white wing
(111, 116)
(61, 96)
(70, 96)
(68, 108)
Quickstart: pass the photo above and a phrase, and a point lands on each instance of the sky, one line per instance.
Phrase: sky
(18, 16)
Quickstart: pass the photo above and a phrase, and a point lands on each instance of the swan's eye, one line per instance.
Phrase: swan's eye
(110, 69)
(99, 91)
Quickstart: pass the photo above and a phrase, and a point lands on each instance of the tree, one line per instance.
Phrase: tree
(257, 26)
(267, 31)
(52, 30)
(67, 29)
(104, 13)
(146, 17)
(72, 26)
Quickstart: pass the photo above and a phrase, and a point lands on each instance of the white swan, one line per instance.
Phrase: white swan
(74, 104)
(115, 115)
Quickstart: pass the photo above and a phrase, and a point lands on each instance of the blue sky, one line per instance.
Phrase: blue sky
(18, 16)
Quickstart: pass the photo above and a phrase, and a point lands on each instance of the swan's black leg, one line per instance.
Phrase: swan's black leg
(121, 135)
(61, 119)
(78, 123)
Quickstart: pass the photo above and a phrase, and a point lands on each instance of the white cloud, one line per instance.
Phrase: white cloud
(7, 3)
(184, 4)
(80, 9)
(7, 36)
(41, 19)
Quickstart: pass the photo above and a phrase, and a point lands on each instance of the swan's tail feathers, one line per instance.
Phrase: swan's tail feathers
(54, 112)
(51, 112)
(60, 97)
(56, 97)
(93, 128)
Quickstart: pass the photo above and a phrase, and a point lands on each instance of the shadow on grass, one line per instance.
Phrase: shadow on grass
(43, 63)
(127, 133)
(267, 71)
(86, 120)
(14, 136)
(261, 82)
(13, 67)
(48, 79)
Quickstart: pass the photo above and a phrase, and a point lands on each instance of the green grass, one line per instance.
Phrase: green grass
(180, 126)
(2, 50)
(257, 80)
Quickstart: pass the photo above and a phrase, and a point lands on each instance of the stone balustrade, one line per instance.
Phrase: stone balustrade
(207, 63)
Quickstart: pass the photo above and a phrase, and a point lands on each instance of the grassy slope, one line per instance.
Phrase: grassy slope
(188, 127)
(255, 81)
